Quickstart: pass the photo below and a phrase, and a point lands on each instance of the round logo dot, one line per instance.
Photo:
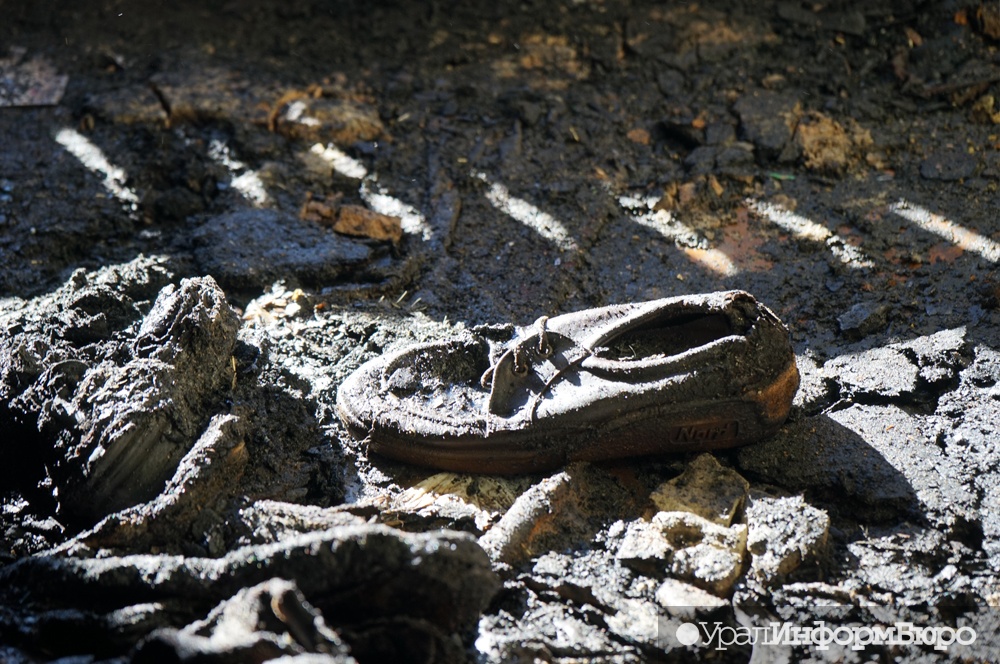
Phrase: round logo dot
(688, 634)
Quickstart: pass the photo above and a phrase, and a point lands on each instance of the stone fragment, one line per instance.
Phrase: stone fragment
(683, 600)
(767, 120)
(544, 628)
(453, 497)
(722, 133)
(863, 319)
(897, 369)
(592, 581)
(701, 160)
(735, 158)
(254, 248)
(644, 548)
(706, 554)
(939, 356)
(670, 82)
(705, 488)
(687, 546)
(782, 533)
(883, 371)
(635, 621)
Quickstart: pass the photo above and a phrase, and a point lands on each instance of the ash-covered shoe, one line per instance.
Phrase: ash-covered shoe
(686, 373)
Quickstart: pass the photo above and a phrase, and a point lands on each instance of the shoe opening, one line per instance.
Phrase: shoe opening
(668, 335)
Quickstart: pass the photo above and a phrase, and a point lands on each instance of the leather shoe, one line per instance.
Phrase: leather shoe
(680, 374)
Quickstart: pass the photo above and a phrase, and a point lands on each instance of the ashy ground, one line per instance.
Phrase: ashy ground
(211, 213)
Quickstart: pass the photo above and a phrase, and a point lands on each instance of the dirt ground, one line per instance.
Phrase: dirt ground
(212, 212)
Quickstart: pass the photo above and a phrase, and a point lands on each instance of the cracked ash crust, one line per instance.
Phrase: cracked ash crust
(679, 374)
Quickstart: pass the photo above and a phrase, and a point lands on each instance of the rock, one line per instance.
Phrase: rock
(767, 120)
(884, 371)
(782, 533)
(723, 133)
(688, 546)
(644, 548)
(543, 630)
(704, 553)
(670, 82)
(592, 581)
(735, 159)
(254, 248)
(704, 488)
(900, 369)
(456, 498)
(939, 356)
(863, 319)
(701, 160)
(682, 600)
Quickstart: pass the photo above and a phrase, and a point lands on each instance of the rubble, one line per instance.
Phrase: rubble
(782, 534)
(387, 593)
(706, 489)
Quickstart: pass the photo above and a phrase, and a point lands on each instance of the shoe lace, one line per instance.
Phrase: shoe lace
(521, 363)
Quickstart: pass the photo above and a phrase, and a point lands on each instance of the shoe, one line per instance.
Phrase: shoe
(680, 374)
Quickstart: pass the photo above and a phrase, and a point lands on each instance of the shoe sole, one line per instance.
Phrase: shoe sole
(702, 426)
